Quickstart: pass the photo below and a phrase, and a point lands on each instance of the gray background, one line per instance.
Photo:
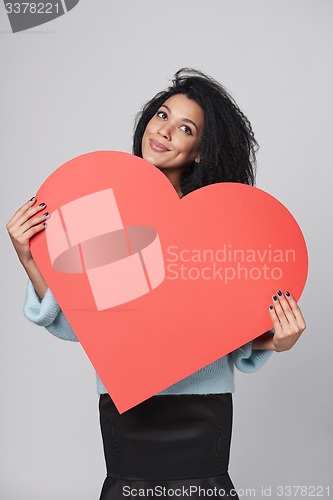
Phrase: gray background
(74, 85)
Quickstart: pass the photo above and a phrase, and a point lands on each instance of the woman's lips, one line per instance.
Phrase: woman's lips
(158, 147)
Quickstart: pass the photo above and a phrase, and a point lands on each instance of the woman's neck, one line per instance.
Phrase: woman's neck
(174, 177)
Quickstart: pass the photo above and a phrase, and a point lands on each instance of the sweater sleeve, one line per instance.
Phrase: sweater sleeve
(46, 312)
(249, 360)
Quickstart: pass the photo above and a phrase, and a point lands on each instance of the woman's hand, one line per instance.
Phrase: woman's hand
(288, 324)
(288, 321)
(23, 225)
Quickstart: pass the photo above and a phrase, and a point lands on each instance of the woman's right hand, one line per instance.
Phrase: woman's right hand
(23, 225)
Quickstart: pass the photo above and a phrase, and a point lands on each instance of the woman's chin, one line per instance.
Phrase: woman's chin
(151, 158)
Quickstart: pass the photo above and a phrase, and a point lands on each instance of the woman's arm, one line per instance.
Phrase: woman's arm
(21, 227)
(40, 305)
(36, 278)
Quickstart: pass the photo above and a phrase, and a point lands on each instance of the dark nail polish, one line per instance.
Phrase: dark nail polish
(274, 297)
(279, 293)
(46, 214)
(271, 307)
(288, 294)
(42, 204)
(44, 224)
(32, 199)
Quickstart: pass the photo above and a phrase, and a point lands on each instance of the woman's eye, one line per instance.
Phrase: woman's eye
(186, 129)
(162, 114)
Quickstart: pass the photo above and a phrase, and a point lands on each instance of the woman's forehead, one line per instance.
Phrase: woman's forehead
(183, 107)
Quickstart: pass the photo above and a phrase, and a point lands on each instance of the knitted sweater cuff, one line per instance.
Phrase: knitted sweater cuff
(250, 360)
(47, 313)
(42, 312)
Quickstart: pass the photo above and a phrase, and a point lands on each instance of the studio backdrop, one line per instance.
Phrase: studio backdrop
(73, 84)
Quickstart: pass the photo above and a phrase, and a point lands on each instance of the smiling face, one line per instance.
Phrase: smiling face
(172, 136)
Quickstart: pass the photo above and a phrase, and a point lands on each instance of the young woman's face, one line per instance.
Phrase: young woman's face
(172, 137)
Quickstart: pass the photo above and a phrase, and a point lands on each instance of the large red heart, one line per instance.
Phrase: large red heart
(227, 248)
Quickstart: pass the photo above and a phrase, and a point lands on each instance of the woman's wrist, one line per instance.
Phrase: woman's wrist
(264, 341)
(35, 276)
(27, 261)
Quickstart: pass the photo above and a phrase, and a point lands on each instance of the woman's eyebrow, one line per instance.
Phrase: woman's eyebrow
(187, 120)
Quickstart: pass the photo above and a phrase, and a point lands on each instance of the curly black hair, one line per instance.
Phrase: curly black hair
(228, 147)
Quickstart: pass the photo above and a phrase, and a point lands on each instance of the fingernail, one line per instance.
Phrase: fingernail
(46, 214)
(271, 307)
(279, 293)
(32, 199)
(44, 223)
(42, 204)
(274, 297)
(288, 294)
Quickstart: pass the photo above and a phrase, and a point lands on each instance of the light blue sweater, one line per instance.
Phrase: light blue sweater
(217, 377)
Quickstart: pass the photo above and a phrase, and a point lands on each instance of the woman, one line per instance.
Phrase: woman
(177, 442)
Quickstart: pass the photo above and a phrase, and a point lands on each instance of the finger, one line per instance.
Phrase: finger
(24, 216)
(275, 320)
(19, 233)
(286, 308)
(35, 229)
(22, 240)
(279, 312)
(296, 310)
(33, 221)
(21, 211)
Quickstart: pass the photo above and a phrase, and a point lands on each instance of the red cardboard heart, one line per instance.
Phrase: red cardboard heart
(156, 287)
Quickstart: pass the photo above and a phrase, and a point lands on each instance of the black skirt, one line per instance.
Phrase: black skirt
(168, 446)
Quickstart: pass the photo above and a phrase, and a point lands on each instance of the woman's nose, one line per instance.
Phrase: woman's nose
(165, 131)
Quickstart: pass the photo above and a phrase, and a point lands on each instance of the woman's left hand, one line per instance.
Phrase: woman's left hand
(288, 324)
